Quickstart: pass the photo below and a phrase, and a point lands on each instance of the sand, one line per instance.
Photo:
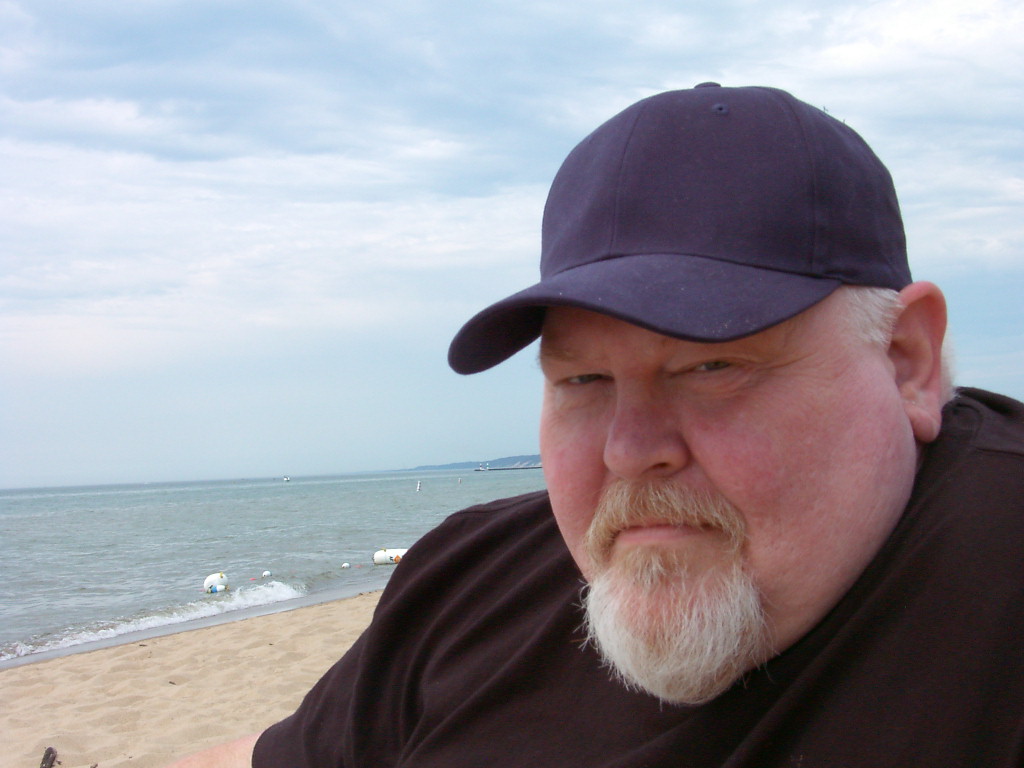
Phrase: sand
(147, 703)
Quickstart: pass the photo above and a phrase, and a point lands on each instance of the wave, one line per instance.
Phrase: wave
(250, 596)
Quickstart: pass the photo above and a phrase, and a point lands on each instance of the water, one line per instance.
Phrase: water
(85, 565)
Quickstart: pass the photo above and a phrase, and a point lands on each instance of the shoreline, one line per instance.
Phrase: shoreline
(242, 614)
(146, 701)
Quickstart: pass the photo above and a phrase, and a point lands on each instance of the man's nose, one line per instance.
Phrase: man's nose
(644, 439)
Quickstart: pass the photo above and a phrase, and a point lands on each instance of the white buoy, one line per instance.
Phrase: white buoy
(266, 574)
(388, 556)
(216, 580)
(345, 565)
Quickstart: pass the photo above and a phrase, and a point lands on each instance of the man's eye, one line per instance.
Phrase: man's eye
(712, 365)
(585, 378)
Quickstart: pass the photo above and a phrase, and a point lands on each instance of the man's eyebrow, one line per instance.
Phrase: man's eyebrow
(552, 350)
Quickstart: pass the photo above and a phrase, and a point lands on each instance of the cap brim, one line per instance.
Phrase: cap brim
(686, 297)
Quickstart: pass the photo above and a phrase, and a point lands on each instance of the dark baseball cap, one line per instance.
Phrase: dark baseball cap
(705, 214)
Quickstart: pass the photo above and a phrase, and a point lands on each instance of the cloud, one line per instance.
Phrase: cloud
(306, 193)
(142, 253)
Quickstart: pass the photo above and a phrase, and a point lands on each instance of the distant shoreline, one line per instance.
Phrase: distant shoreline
(505, 469)
(509, 462)
(529, 461)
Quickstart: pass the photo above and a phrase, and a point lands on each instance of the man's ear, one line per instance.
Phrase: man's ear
(916, 355)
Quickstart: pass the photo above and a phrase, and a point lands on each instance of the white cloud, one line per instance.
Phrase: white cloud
(187, 180)
(114, 259)
(106, 117)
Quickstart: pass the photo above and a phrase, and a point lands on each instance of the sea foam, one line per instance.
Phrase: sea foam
(243, 598)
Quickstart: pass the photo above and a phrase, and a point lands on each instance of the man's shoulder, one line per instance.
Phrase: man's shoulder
(527, 508)
(974, 472)
(497, 543)
(492, 520)
(978, 458)
(997, 420)
(519, 525)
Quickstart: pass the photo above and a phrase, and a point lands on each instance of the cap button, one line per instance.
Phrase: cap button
(708, 85)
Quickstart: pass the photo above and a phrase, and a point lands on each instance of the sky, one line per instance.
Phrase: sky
(236, 238)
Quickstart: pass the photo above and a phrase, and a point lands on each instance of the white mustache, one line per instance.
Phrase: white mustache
(628, 504)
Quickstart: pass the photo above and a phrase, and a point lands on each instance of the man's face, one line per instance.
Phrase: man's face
(797, 432)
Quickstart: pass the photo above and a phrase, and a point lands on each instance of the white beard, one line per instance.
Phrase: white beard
(682, 636)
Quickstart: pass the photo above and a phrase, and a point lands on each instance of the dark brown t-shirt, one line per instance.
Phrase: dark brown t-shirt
(474, 657)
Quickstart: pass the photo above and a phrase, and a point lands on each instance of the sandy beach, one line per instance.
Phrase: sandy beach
(147, 703)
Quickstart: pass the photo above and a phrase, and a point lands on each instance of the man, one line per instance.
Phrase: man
(798, 547)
